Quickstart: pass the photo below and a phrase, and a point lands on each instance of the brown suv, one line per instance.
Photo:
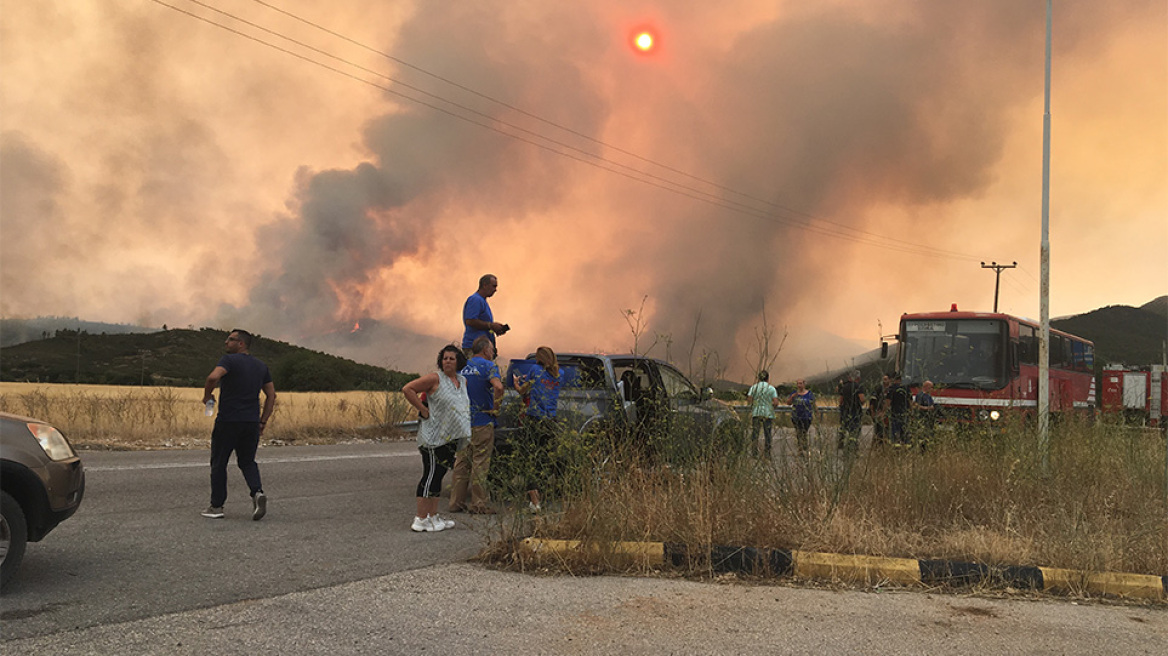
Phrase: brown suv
(43, 482)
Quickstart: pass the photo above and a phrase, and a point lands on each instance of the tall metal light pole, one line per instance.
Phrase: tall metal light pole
(1044, 284)
(997, 277)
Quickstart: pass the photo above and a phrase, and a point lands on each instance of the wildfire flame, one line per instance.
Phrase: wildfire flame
(356, 326)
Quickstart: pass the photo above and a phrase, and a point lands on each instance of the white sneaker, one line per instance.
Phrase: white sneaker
(420, 525)
(440, 523)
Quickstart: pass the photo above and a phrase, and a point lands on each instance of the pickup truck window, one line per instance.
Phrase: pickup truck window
(677, 388)
(638, 384)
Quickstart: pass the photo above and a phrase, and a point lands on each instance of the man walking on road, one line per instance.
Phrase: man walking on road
(472, 463)
(240, 378)
(477, 316)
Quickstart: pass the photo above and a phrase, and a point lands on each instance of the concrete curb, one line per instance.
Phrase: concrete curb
(871, 570)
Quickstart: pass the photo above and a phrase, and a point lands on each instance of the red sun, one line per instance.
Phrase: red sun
(643, 40)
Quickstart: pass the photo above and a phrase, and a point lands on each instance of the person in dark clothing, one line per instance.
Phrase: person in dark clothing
(802, 402)
(876, 409)
(542, 389)
(897, 406)
(851, 407)
(240, 422)
(924, 415)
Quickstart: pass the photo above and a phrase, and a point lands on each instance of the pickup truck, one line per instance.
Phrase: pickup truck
(644, 398)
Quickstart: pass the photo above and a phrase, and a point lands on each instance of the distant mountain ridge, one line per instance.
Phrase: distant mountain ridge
(1123, 334)
(179, 357)
(18, 331)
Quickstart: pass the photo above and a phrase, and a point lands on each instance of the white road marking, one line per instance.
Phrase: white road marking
(262, 461)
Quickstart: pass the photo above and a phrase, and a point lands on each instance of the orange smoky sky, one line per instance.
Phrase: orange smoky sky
(826, 166)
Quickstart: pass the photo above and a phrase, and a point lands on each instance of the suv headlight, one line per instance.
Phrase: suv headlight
(52, 441)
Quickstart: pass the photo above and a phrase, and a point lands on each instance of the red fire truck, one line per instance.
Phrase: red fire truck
(1138, 392)
(985, 364)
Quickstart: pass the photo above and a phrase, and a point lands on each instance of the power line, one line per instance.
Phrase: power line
(854, 235)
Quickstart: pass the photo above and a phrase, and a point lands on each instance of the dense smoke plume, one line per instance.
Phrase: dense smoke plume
(904, 119)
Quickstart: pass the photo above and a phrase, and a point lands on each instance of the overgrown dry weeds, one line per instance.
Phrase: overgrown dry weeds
(970, 497)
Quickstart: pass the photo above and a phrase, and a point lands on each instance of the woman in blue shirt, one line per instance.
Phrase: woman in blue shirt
(541, 388)
(802, 403)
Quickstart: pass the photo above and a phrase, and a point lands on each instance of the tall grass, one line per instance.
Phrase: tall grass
(976, 497)
(102, 416)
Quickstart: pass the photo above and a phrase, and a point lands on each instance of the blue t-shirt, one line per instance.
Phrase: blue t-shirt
(544, 394)
(476, 307)
(801, 405)
(239, 389)
(479, 372)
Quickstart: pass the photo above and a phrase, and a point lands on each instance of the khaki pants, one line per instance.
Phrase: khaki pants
(470, 470)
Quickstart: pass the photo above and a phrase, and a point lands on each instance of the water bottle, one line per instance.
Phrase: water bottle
(210, 409)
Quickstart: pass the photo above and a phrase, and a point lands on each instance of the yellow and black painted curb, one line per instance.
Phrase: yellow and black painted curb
(871, 570)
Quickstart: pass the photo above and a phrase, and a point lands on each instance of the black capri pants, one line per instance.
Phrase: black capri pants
(435, 462)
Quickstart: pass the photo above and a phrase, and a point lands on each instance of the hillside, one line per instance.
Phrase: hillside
(1122, 334)
(179, 357)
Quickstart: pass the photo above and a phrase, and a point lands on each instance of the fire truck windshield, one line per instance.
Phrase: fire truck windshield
(961, 353)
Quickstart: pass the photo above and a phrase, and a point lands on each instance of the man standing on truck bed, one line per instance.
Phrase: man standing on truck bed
(477, 316)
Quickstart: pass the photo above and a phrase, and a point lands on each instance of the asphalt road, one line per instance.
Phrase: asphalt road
(334, 569)
(138, 546)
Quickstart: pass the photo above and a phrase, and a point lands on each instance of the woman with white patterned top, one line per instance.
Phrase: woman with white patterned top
(443, 427)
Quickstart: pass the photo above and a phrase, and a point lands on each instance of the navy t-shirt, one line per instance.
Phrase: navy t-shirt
(801, 405)
(239, 389)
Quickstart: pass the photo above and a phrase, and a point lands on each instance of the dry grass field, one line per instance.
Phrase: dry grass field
(113, 417)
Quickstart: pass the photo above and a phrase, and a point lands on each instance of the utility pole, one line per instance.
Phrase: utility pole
(997, 277)
(1044, 284)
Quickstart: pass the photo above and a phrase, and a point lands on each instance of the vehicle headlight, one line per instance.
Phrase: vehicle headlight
(52, 441)
(983, 414)
(995, 415)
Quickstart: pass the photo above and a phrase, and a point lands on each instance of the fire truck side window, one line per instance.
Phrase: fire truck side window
(1060, 352)
(1027, 344)
(1083, 356)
